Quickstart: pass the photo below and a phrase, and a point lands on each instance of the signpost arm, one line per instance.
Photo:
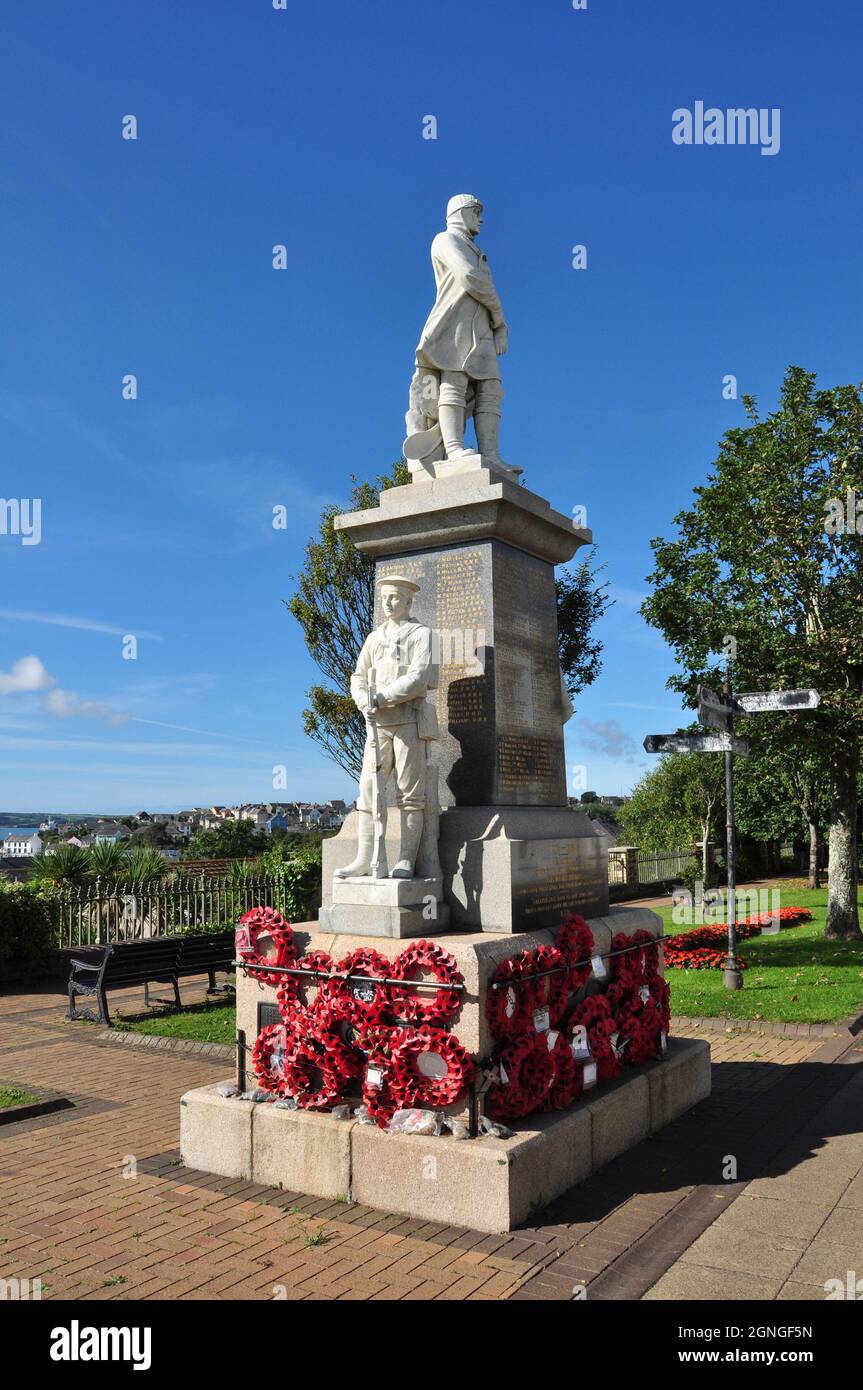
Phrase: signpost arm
(731, 976)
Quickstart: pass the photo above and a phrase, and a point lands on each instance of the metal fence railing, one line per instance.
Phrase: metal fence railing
(99, 913)
(616, 869)
(657, 868)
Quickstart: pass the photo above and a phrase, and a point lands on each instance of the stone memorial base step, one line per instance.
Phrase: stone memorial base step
(486, 1184)
(385, 907)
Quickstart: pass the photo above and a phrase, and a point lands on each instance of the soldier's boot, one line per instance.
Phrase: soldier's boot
(411, 830)
(359, 867)
(487, 424)
(451, 420)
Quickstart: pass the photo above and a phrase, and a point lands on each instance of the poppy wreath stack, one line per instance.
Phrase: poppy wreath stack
(375, 1042)
(269, 1056)
(527, 991)
(440, 1005)
(509, 1001)
(265, 921)
(551, 986)
(626, 964)
(370, 1019)
(523, 1072)
(362, 1000)
(430, 1088)
(300, 994)
(319, 1066)
(540, 1063)
(344, 1021)
(595, 1016)
(642, 1013)
(575, 941)
(567, 1080)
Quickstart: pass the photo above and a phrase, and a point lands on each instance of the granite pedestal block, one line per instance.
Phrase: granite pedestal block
(520, 868)
(486, 1184)
(483, 550)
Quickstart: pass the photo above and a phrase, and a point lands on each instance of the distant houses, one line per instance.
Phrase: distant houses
(17, 850)
(110, 833)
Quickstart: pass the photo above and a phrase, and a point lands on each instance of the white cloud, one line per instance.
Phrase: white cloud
(64, 704)
(25, 615)
(27, 674)
(607, 737)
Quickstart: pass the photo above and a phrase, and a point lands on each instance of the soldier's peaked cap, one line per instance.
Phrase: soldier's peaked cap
(462, 200)
(401, 580)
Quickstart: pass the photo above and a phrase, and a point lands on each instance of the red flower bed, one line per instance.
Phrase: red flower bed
(705, 948)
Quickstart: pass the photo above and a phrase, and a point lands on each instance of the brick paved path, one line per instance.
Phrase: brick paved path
(69, 1216)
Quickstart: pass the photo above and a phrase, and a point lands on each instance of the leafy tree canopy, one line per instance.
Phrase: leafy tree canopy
(759, 568)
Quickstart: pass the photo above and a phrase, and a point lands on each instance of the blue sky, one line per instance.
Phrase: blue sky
(259, 387)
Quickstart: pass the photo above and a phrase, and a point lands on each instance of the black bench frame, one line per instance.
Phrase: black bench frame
(160, 960)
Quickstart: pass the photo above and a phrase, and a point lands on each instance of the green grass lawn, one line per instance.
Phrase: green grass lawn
(207, 1022)
(794, 977)
(13, 1095)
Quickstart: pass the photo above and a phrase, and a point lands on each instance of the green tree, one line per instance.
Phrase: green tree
(334, 605)
(233, 839)
(581, 602)
(754, 561)
(153, 835)
(782, 793)
(680, 801)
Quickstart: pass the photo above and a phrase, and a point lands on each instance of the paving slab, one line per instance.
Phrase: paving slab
(698, 1283)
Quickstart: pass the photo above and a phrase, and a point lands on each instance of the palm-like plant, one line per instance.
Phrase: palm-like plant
(144, 865)
(107, 862)
(67, 867)
(245, 871)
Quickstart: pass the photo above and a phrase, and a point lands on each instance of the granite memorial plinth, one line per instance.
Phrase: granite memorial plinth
(482, 550)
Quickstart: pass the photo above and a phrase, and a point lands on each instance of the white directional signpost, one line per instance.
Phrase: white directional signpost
(696, 743)
(717, 712)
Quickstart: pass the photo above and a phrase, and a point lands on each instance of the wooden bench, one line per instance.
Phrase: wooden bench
(160, 960)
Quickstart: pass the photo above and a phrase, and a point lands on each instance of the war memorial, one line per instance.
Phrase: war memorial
(469, 1028)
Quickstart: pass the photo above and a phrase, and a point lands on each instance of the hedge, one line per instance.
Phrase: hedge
(28, 920)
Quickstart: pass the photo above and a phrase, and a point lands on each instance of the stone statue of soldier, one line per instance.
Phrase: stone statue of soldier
(399, 657)
(457, 372)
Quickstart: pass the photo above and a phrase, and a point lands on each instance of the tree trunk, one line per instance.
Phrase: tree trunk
(814, 851)
(842, 916)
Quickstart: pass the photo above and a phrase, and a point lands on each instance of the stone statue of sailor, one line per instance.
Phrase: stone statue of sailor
(457, 372)
(398, 656)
